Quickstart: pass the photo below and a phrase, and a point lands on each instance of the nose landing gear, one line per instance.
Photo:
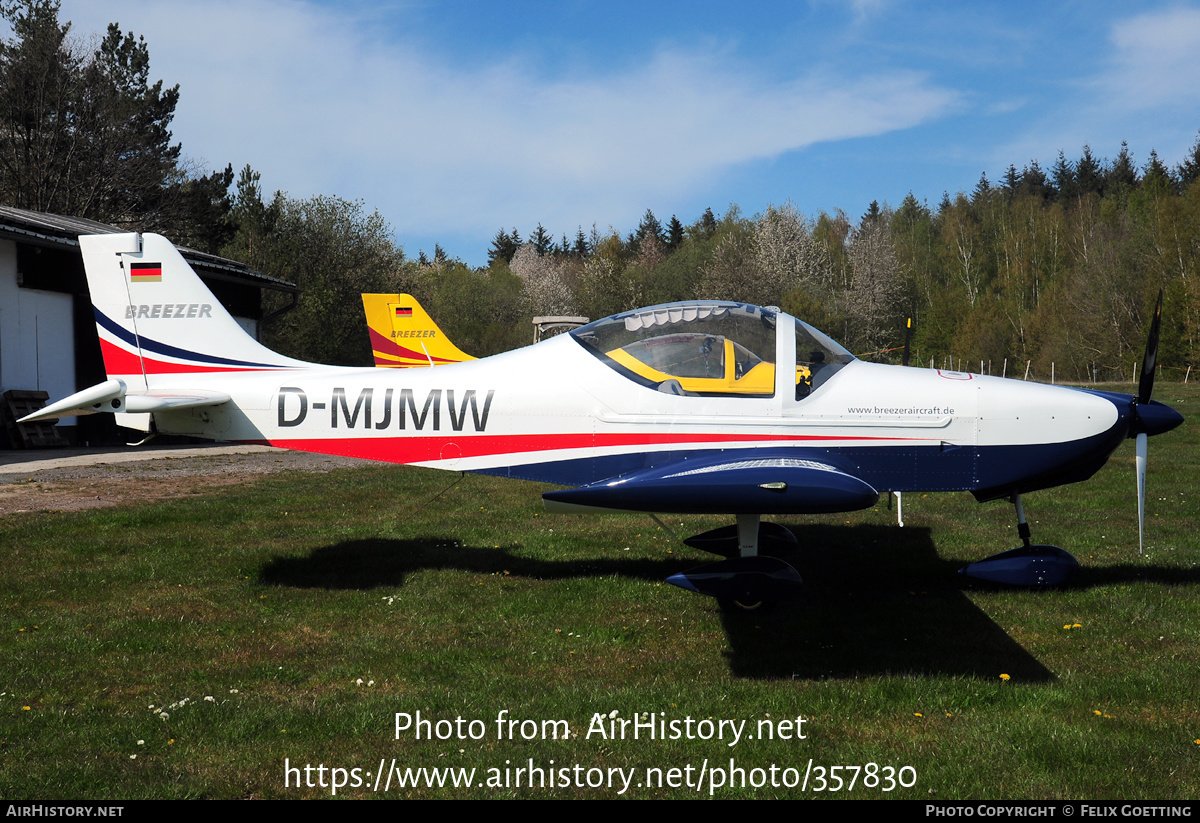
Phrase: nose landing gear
(1029, 565)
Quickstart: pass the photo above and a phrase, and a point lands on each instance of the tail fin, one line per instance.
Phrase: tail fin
(403, 334)
(154, 316)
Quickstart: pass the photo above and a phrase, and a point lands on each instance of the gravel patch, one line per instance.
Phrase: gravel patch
(160, 475)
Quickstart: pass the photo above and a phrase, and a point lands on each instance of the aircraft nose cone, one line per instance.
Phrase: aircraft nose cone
(1154, 418)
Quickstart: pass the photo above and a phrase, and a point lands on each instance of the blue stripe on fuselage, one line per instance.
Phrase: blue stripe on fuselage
(987, 471)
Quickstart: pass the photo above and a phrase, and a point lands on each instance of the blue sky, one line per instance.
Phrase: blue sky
(456, 119)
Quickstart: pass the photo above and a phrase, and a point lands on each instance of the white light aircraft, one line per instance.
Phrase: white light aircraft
(701, 407)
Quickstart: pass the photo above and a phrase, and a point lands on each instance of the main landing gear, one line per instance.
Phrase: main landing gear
(1029, 565)
(746, 579)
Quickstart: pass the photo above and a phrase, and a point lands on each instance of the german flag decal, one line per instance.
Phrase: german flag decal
(404, 311)
(145, 272)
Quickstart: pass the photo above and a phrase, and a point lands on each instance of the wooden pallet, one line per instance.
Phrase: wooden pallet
(40, 435)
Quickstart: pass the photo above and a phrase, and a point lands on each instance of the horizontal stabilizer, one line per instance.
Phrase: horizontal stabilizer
(102, 397)
(743, 482)
(111, 396)
(153, 401)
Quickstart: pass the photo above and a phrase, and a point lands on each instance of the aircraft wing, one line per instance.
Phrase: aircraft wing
(735, 482)
(112, 396)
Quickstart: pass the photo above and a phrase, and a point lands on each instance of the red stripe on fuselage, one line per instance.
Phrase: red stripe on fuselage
(426, 449)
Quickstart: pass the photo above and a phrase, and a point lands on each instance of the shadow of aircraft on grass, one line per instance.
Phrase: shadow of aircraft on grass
(877, 599)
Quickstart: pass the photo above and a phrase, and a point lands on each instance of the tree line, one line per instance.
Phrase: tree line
(1057, 266)
(1057, 270)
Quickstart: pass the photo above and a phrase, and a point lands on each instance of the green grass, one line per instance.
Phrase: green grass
(276, 598)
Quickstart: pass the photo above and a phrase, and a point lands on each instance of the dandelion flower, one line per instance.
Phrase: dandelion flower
(1005, 677)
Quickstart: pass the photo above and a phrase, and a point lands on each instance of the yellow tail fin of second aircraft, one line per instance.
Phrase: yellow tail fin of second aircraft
(403, 334)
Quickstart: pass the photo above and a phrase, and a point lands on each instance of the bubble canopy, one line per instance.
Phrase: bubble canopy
(706, 348)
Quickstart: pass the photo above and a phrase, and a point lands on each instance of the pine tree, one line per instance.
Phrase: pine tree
(1122, 172)
(541, 240)
(581, 249)
(254, 222)
(674, 233)
(911, 210)
(982, 189)
(1089, 177)
(1155, 177)
(1189, 170)
(647, 228)
(89, 138)
(504, 246)
(1011, 180)
(1033, 182)
(1063, 175)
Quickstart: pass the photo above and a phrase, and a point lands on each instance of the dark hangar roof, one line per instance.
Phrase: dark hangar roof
(57, 231)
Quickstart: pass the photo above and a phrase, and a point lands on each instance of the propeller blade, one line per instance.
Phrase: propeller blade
(1150, 361)
(1141, 444)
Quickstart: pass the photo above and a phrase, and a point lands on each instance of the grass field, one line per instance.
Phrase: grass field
(193, 648)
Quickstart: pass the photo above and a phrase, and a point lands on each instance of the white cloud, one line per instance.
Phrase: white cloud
(1157, 60)
(1143, 90)
(322, 104)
